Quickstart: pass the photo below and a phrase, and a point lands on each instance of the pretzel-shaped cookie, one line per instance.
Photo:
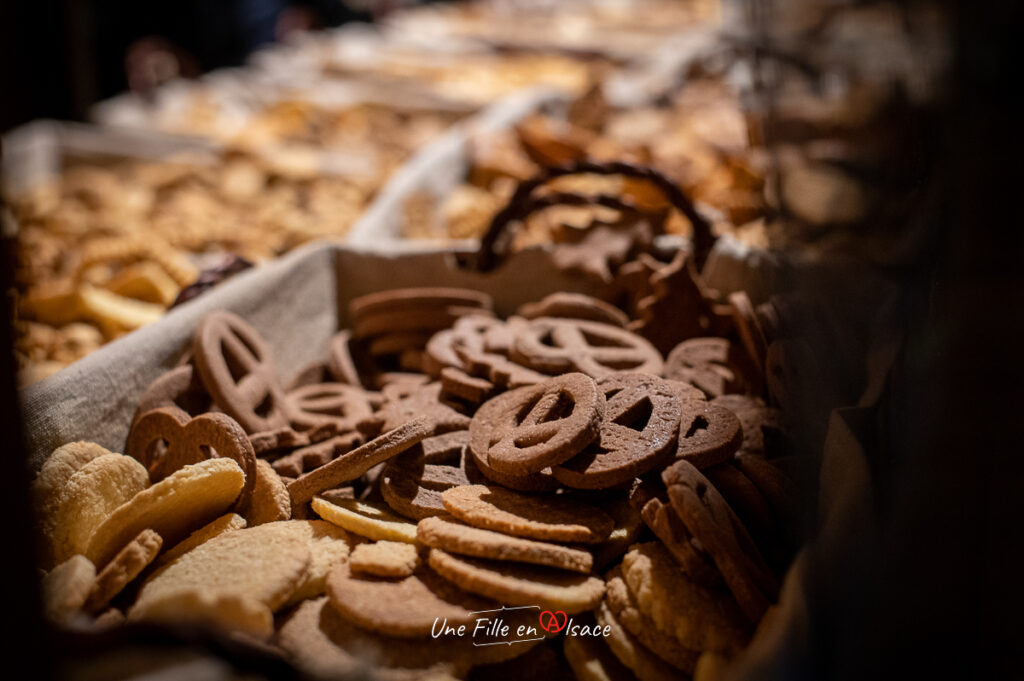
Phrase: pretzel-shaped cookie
(523, 202)
(238, 371)
(187, 441)
(526, 430)
(336, 406)
(639, 425)
(555, 345)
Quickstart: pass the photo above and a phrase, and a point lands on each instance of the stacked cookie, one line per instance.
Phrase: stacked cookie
(552, 461)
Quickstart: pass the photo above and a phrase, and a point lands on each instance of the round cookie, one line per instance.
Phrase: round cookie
(329, 545)
(406, 607)
(264, 564)
(366, 519)
(229, 612)
(591, 660)
(755, 418)
(533, 517)
(225, 523)
(174, 506)
(714, 524)
(320, 641)
(89, 497)
(520, 584)
(646, 665)
(623, 606)
(122, 569)
(701, 619)
(638, 430)
(444, 532)
(388, 559)
(526, 430)
(58, 468)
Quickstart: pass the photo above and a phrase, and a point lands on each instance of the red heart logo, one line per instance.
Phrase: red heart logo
(549, 621)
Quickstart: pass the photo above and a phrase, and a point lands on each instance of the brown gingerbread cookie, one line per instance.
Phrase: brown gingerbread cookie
(166, 440)
(521, 515)
(708, 434)
(238, 371)
(709, 518)
(529, 429)
(413, 481)
(762, 425)
(663, 521)
(638, 431)
(332, 407)
(552, 345)
(709, 364)
(456, 384)
(397, 299)
(311, 457)
(414, 402)
(574, 306)
(180, 387)
(350, 466)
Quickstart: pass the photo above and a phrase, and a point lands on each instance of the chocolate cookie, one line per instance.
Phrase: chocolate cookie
(552, 345)
(529, 429)
(638, 431)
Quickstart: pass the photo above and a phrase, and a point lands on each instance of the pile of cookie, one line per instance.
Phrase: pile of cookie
(699, 139)
(441, 463)
(105, 249)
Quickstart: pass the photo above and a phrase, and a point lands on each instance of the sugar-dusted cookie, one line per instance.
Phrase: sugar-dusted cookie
(89, 498)
(172, 508)
(66, 587)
